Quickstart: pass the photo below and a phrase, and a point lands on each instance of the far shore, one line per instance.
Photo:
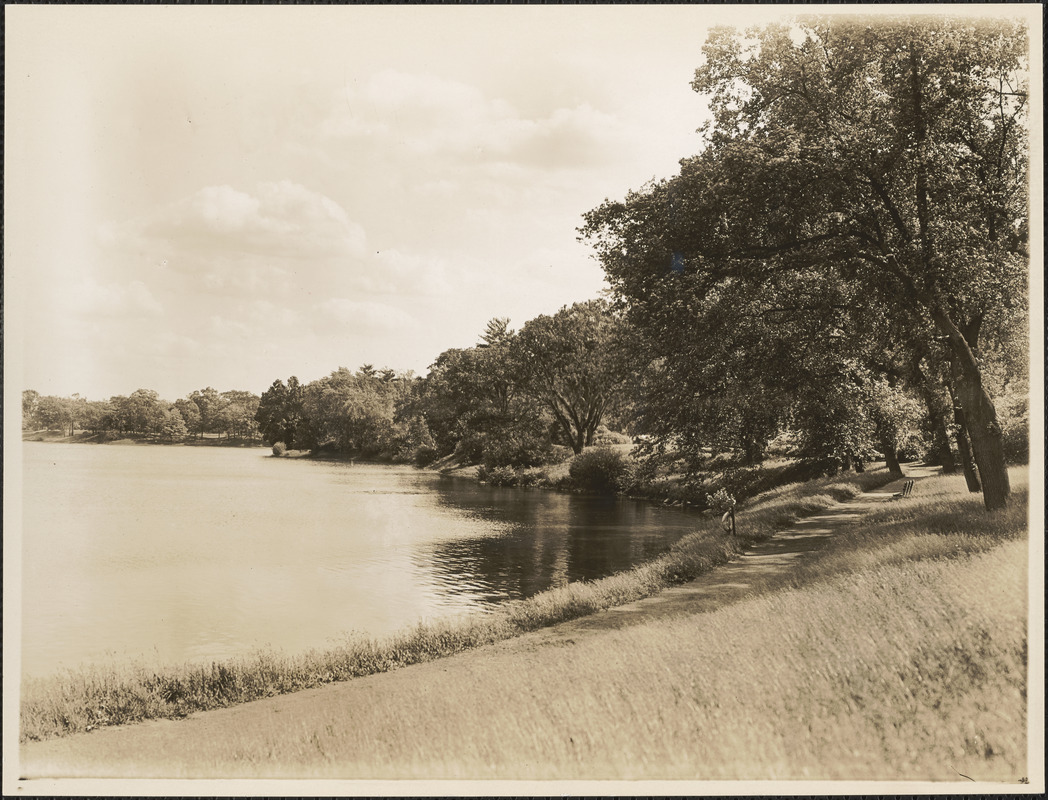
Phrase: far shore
(86, 437)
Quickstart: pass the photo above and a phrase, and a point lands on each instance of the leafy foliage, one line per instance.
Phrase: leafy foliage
(600, 470)
(566, 362)
(279, 412)
(880, 162)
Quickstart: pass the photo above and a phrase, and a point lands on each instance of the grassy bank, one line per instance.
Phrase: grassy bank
(91, 697)
(905, 671)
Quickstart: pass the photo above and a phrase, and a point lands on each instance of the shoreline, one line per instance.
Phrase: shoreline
(84, 437)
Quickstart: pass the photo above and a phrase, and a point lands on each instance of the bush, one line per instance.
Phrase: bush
(604, 436)
(599, 470)
(532, 477)
(470, 449)
(523, 444)
(558, 454)
(425, 455)
(502, 476)
(279, 449)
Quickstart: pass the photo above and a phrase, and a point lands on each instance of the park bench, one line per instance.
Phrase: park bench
(907, 490)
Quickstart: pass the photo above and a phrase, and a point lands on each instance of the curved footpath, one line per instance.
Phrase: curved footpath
(179, 748)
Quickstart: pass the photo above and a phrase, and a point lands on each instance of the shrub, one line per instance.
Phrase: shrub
(470, 449)
(279, 449)
(522, 444)
(425, 455)
(604, 436)
(562, 483)
(600, 470)
(532, 477)
(502, 476)
(558, 454)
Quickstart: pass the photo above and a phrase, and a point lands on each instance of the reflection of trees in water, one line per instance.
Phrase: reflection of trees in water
(543, 540)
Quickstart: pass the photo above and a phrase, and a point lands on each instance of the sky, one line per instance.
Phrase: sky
(224, 196)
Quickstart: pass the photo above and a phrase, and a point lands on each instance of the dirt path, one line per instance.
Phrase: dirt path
(179, 748)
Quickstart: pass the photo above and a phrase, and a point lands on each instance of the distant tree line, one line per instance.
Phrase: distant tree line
(810, 371)
(143, 413)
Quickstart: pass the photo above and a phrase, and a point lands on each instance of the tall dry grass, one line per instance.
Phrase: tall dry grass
(93, 696)
(904, 671)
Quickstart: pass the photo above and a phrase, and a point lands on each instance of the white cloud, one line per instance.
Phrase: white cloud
(466, 153)
(273, 316)
(425, 115)
(133, 299)
(282, 219)
(402, 273)
(356, 316)
(225, 329)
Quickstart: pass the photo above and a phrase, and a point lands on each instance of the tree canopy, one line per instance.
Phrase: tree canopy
(566, 361)
(889, 157)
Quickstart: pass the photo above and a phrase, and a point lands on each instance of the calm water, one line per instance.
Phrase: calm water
(180, 553)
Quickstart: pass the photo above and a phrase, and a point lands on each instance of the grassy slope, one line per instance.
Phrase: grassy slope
(91, 697)
(899, 652)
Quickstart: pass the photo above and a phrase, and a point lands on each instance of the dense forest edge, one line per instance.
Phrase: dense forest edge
(840, 275)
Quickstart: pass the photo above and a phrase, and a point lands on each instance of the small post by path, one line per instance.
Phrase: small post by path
(722, 501)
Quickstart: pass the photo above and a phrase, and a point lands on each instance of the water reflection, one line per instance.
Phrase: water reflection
(545, 540)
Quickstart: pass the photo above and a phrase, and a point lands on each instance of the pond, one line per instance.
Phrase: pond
(172, 554)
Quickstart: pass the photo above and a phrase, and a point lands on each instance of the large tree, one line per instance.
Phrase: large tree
(473, 403)
(567, 362)
(143, 411)
(888, 153)
(236, 416)
(352, 412)
(279, 412)
(210, 404)
(30, 402)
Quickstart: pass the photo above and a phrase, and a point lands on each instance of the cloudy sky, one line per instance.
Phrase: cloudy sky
(224, 196)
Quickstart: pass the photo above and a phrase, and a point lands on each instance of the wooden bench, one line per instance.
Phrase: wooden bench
(907, 490)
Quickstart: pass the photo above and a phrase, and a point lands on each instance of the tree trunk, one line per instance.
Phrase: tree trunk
(988, 449)
(980, 417)
(577, 439)
(891, 457)
(942, 444)
(964, 448)
(986, 441)
(940, 438)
